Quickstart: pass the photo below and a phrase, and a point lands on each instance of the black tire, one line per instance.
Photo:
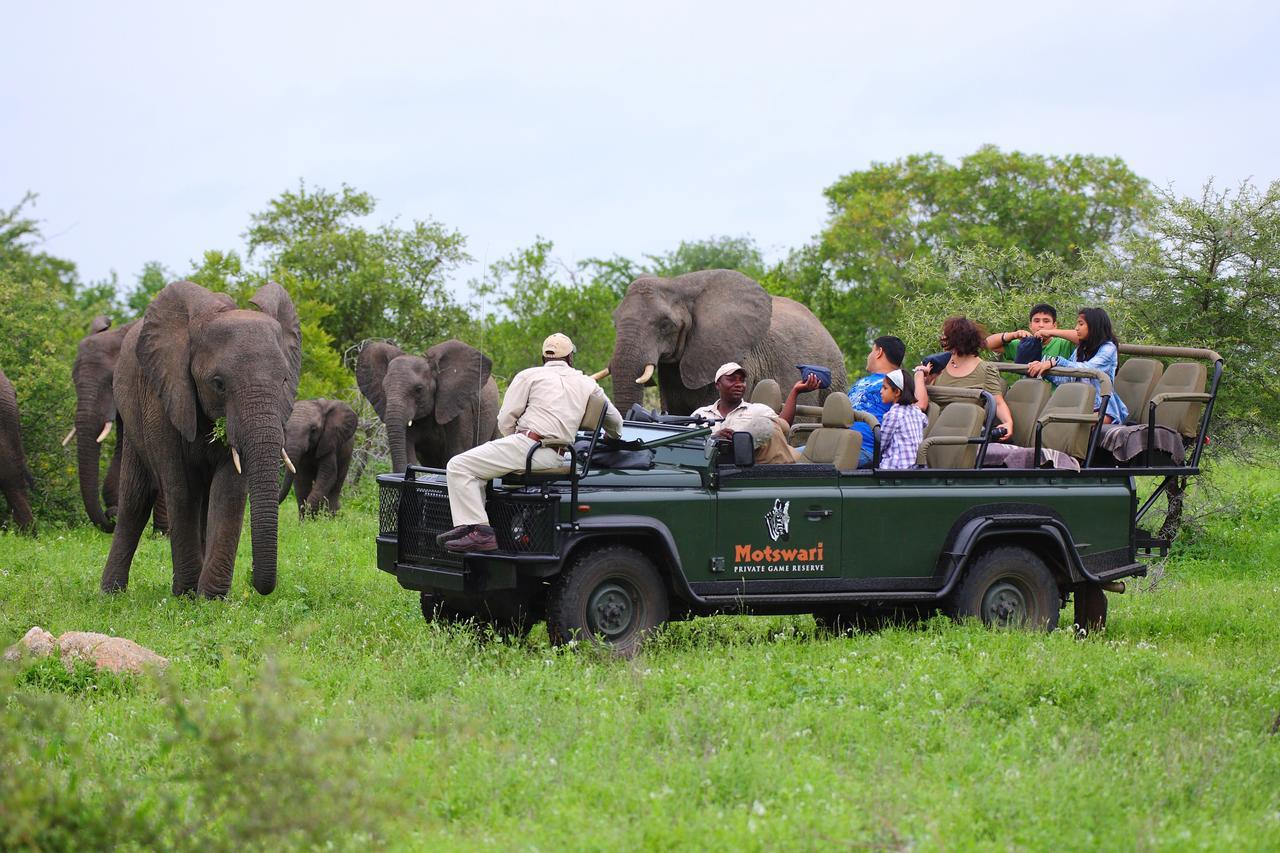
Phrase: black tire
(613, 596)
(1008, 587)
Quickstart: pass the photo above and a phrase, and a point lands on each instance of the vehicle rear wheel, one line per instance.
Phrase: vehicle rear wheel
(613, 596)
(1009, 587)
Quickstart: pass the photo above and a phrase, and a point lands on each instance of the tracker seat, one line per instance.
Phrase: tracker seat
(592, 419)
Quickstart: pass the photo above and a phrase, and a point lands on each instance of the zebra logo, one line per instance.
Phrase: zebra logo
(778, 520)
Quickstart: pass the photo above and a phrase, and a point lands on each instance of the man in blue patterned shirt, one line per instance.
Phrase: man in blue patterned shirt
(887, 353)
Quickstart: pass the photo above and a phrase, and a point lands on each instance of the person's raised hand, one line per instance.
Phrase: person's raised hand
(1035, 368)
(810, 384)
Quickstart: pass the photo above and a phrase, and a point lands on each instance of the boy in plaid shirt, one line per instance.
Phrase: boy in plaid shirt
(902, 428)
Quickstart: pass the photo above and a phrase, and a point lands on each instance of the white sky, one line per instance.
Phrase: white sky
(152, 131)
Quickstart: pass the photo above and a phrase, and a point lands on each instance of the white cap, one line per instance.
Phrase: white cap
(895, 378)
(731, 367)
(557, 346)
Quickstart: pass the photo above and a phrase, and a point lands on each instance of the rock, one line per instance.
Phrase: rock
(37, 643)
(115, 654)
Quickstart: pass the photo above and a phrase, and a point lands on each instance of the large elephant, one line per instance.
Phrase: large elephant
(15, 476)
(320, 438)
(435, 405)
(92, 373)
(683, 328)
(204, 390)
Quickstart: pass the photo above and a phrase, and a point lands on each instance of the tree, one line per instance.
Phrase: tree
(715, 253)
(883, 218)
(151, 280)
(387, 282)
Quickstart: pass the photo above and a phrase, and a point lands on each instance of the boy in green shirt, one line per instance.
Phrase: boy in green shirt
(1024, 346)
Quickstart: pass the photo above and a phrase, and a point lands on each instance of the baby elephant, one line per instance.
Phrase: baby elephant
(319, 438)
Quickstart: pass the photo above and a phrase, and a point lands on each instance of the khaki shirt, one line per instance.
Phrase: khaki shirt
(551, 400)
(775, 450)
(736, 419)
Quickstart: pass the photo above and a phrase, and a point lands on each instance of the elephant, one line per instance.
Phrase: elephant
(319, 437)
(15, 476)
(92, 373)
(435, 405)
(202, 385)
(683, 328)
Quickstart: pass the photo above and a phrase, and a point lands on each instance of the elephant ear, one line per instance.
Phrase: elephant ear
(338, 428)
(371, 369)
(164, 347)
(731, 313)
(99, 324)
(461, 371)
(273, 300)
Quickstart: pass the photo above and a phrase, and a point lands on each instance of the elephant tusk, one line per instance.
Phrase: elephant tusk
(288, 463)
(70, 436)
(600, 374)
(106, 428)
(235, 458)
(410, 423)
(646, 376)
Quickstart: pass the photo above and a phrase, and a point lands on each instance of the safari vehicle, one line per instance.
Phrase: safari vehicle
(610, 548)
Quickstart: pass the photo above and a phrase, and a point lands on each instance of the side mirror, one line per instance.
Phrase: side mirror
(744, 451)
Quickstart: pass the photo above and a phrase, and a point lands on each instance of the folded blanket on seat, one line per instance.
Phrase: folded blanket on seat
(1127, 442)
(1013, 456)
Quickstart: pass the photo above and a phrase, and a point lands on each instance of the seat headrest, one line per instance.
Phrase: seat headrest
(767, 393)
(837, 411)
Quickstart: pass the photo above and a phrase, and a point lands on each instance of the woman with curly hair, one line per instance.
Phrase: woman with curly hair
(965, 369)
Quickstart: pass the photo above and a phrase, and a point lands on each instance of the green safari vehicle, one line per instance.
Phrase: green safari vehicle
(671, 523)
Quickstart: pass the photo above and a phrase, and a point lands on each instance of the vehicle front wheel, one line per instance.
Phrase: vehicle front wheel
(1009, 587)
(612, 595)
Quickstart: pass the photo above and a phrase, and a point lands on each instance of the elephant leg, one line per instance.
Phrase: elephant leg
(137, 493)
(303, 487)
(16, 495)
(226, 501)
(326, 476)
(185, 506)
(160, 518)
(335, 493)
(111, 485)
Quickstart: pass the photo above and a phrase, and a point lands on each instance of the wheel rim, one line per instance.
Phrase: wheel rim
(1004, 604)
(613, 609)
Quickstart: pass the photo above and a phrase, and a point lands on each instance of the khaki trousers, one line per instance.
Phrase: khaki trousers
(468, 472)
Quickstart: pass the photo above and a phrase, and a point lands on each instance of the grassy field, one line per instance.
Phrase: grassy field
(329, 712)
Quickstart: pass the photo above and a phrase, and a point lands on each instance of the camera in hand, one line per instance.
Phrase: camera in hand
(998, 432)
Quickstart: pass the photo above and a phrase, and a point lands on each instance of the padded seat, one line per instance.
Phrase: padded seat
(768, 393)
(1026, 399)
(834, 442)
(1067, 419)
(1180, 379)
(1135, 382)
(956, 423)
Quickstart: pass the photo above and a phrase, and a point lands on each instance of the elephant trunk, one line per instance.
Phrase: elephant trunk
(262, 462)
(397, 436)
(625, 368)
(88, 456)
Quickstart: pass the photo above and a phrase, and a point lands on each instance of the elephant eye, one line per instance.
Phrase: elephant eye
(218, 384)
(418, 387)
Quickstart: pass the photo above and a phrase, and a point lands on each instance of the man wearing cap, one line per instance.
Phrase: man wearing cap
(543, 406)
(768, 430)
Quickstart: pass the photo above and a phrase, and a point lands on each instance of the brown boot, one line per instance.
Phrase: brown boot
(480, 538)
(456, 533)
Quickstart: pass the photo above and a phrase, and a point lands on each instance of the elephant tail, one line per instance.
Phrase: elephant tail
(284, 488)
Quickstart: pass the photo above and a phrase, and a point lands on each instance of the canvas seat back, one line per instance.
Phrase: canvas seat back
(1072, 398)
(1135, 382)
(833, 442)
(1181, 377)
(1026, 399)
(767, 393)
(958, 419)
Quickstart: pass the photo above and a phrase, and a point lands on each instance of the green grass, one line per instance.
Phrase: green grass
(331, 712)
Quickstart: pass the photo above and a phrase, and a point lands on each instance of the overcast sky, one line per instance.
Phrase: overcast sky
(153, 131)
